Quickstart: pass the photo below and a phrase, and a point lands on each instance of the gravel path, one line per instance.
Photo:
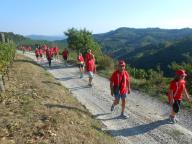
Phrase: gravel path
(147, 122)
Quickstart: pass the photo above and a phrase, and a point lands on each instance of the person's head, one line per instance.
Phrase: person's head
(89, 50)
(80, 54)
(121, 65)
(180, 74)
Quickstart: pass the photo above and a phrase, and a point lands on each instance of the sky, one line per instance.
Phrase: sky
(53, 17)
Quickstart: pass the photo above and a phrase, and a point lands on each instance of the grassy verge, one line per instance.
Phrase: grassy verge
(155, 88)
(36, 109)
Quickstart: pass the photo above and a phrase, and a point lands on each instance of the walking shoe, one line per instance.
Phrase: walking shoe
(112, 107)
(123, 116)
(81, 75)
(172, 119)
(90, 85)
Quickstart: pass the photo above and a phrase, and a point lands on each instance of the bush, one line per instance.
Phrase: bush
(104, 63)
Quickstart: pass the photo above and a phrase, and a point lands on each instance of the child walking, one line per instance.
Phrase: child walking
(80, 61)
(176, 90)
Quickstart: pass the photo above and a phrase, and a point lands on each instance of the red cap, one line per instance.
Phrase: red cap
(121, 63)
(181, 73)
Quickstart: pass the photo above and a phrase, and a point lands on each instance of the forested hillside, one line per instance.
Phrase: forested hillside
(148, 48)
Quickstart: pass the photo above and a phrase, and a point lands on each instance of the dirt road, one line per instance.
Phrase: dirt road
(147, 122)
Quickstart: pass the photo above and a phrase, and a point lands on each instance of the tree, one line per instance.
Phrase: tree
(82, 40)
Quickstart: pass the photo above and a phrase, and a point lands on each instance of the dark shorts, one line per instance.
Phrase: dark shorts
(37, 56)
(176, 106)
(41, 55)
(65, 58)
(119, 96)
(81, 65)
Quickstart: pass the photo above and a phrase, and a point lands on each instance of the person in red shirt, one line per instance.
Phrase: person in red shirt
(41, 54)
(37, 53)
(80, 61)
(56, 53)
(91, 69)
(44, 47)
(120, 86)
(176, 89)
(49, 55)
(65, 55)
(88, 55)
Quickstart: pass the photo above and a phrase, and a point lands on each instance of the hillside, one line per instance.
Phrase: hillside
(162, 55)
(147, 48)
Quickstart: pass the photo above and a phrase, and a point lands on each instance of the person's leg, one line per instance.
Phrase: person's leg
(115, 101)
(175, 110)
(66, 61)
(90, 73)
(123, 105)
(81, 71)
(49, 62)
(90, 80)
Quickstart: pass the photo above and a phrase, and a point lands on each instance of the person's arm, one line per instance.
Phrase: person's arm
(128, 86)
(187, 94)
(111, 87)
(170, 93)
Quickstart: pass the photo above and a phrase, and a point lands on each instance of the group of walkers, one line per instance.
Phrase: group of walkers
(25, 48)
(88, 61)
(50, 53)
(120, 80)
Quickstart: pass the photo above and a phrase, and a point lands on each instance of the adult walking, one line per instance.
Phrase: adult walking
(91, 68)
(37, 53)
(65, 55)
(120, 86)
(49, 55)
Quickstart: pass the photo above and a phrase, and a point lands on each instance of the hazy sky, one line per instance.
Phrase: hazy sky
(53, 17)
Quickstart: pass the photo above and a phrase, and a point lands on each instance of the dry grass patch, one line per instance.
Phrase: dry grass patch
(36, 109)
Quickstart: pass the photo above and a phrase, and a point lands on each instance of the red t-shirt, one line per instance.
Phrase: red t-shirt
(49, 54)
(90, 65)
(65, 53)
(116, 79)
(177, 87)
(80, 59)
(36, 51)
(40, 51)
(88, 56)
(57, 50)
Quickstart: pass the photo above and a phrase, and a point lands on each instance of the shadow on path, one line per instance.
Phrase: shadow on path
(66, 107)
(67, 78)
(137, 130)
(49, 82)
(80, 87)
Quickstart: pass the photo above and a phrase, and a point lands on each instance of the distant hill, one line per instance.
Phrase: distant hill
(147, 48)
(44, 37)
(128, 39)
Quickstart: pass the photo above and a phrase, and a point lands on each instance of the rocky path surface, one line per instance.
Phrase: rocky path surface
(147, 122)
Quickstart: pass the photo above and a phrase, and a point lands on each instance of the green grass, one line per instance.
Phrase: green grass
(150, 88)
